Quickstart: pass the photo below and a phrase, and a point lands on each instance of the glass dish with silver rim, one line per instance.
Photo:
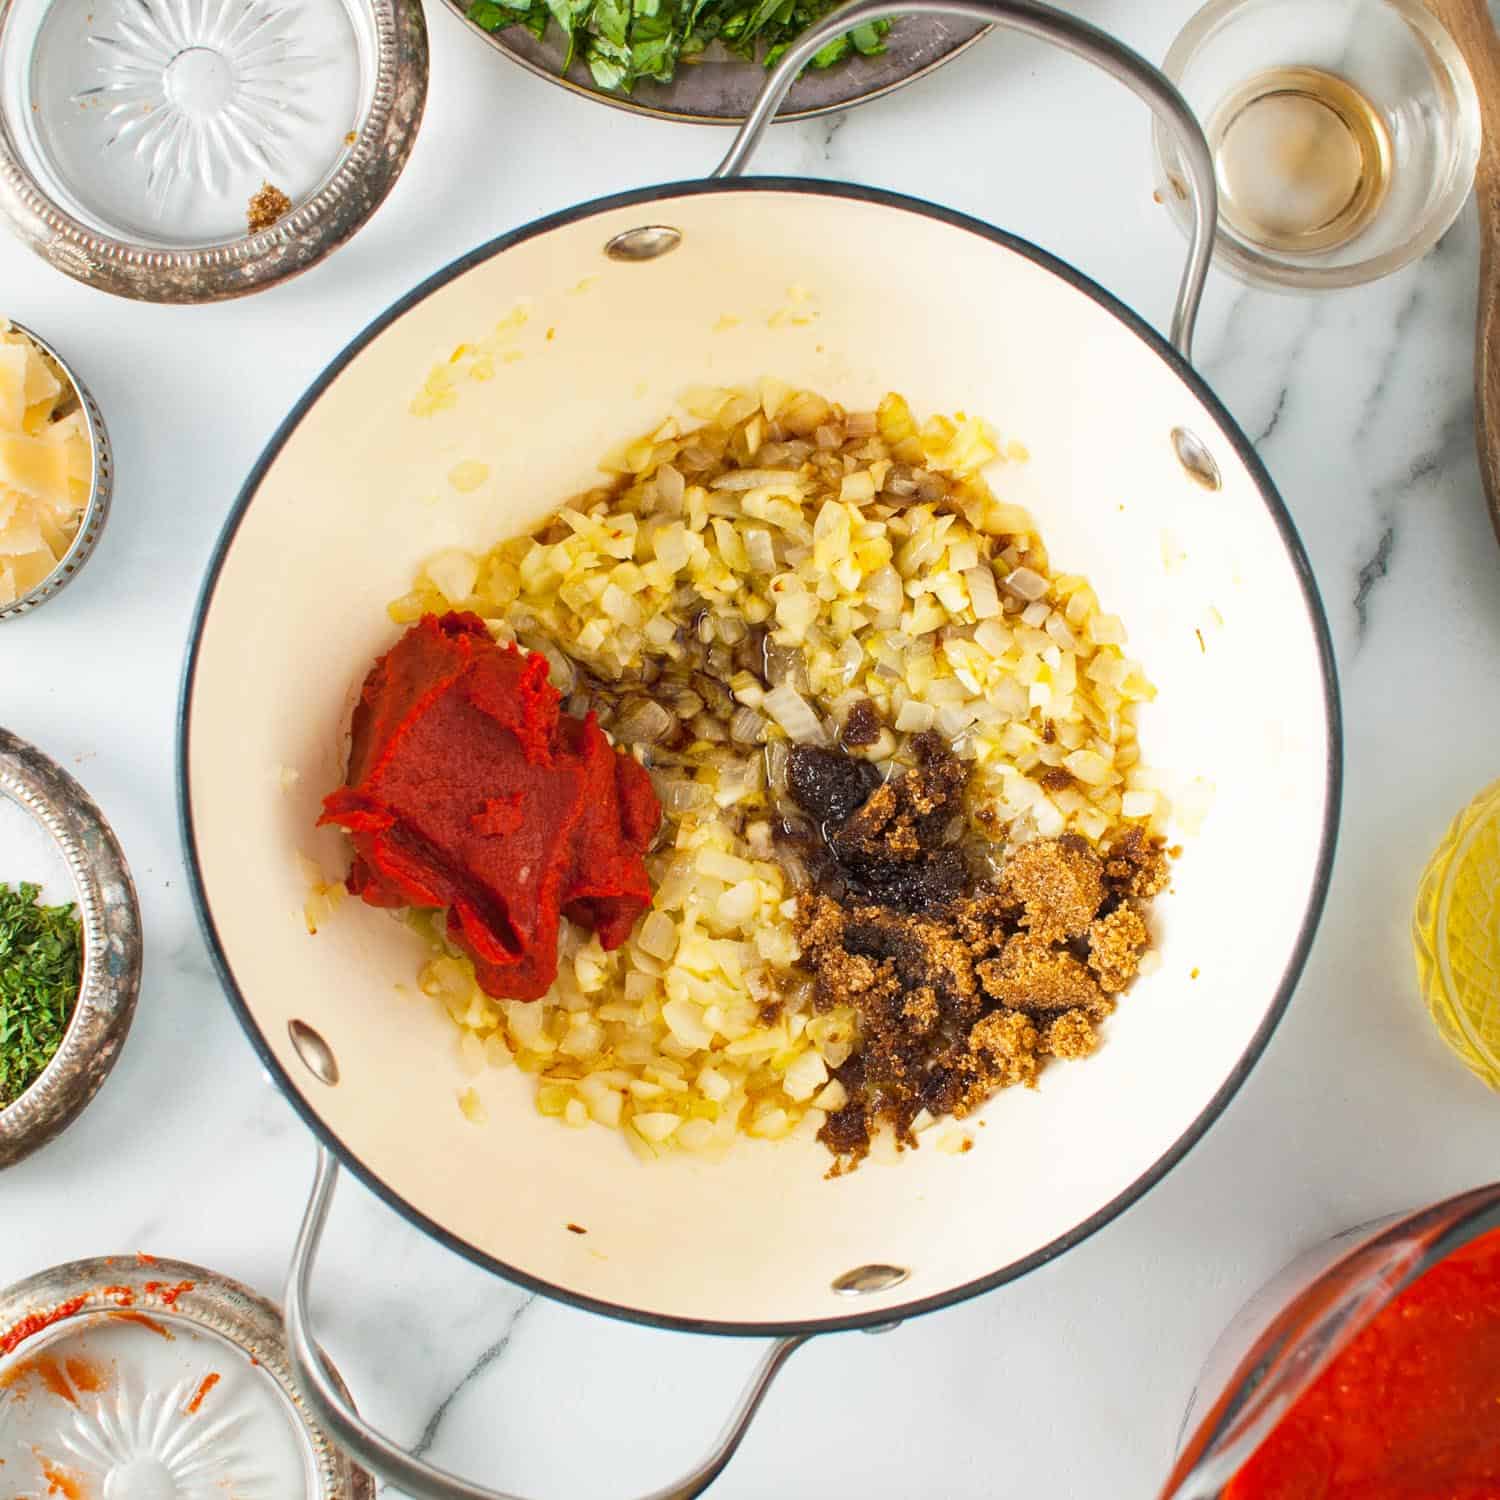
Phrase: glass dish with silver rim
(189, 150)
(132, 1377)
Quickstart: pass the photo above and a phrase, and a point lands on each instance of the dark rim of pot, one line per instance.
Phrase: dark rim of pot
(1290, 541)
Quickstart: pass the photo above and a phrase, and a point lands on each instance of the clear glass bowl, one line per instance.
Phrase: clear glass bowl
(138, 1378)
(1291, 1330)
(185, 150)
(1345, 134)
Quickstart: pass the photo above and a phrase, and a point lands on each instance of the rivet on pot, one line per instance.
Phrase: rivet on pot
(646, 243)
(863, 1280)
(1196, 459)
(315, 1053)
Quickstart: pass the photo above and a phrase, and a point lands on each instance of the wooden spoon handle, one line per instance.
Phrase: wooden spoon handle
(1470, 25)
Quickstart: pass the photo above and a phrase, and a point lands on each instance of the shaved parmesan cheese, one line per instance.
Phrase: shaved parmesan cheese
(12, 387)
(31, 568)
(41, 384)
(46, 465)
(33, 465)
(23, 533)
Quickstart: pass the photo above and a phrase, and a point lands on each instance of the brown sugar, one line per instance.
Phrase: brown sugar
(862, 726)
(920, 1010)
(1136, 865)
(959, 986)
(820, 921)
(924, 952)
(984, 920)
(1116, 943)
(884, 829)
(1003, 1050)
(1031, 975)
(1071, 1035)
(853, 979)
(1059, 883)
(892, 849)
(268, 206)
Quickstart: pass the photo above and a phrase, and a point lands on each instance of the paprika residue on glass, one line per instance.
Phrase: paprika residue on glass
(1410, 1410)
(469, 789)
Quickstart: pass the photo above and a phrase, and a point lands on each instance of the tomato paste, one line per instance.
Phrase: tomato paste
(1410, 1410)
(469, 789)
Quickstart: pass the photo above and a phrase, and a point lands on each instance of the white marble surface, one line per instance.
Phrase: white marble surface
(1071, 1382)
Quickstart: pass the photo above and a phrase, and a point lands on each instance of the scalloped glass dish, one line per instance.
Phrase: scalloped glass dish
(136, 1378)
(158, 121)
(147, 1407)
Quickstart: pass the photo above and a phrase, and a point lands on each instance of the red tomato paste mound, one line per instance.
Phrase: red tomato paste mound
(469, 789)
(1410, 1410)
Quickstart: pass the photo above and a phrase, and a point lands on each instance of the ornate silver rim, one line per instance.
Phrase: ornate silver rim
(247, 1320)
(95, 513)
(294, 244)
(111, 921)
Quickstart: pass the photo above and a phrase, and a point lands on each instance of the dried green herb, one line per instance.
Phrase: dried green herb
(41, 952)
(624, 41)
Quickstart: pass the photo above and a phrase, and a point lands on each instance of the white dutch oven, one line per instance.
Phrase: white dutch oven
(1139, 479)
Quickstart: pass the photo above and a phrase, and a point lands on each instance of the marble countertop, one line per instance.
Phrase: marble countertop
(1072, 1381)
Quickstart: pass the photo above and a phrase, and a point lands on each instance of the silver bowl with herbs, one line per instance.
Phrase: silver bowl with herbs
(70, 949)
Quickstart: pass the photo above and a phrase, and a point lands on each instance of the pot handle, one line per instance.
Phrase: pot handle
(1062, 30)
(424, 1481)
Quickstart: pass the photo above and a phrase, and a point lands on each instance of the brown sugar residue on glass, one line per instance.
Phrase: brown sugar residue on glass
(961, 985)
(266, 208)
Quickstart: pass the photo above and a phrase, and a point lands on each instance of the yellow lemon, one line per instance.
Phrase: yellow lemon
(1456, 934)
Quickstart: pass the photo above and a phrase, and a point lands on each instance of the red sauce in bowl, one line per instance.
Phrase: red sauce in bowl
(1410, 1410)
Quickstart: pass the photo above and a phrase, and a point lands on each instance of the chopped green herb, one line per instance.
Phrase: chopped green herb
(624, 41)
(40, 964)
(835, 51)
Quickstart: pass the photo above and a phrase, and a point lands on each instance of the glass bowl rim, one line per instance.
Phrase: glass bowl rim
(1268, 270)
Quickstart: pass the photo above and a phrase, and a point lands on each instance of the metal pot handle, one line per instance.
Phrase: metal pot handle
(424, 1481)
(1072, 35)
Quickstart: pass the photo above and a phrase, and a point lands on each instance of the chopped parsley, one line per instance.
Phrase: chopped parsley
(40, 965)
(624, 41)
